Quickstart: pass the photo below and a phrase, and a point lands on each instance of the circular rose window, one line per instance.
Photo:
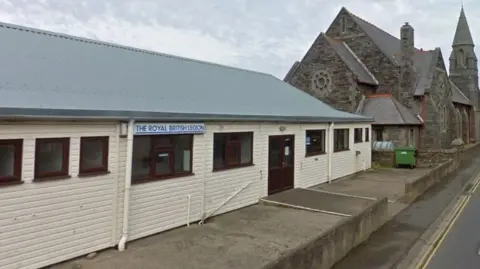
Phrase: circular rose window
(322, 82)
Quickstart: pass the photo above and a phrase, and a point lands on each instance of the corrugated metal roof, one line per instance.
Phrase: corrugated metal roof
(50, 74)
(352, 61)
(387, 110)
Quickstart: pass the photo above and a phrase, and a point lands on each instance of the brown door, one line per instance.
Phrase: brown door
(280, 163)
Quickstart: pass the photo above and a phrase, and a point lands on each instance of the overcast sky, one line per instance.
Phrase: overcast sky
(262, 35)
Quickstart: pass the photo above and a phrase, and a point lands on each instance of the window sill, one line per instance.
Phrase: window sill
(153, 179)
(232, 167)
(93, 174)
(53, 178)
(358, 142)
(312, 154)
(10, 182)
(341, 150)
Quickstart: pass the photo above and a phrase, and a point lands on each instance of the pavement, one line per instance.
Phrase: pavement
(376, 183)
(251, 237)
(387, 248)
(459, 244)
(254, 236)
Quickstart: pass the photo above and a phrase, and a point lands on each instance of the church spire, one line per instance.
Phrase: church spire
(462, 34)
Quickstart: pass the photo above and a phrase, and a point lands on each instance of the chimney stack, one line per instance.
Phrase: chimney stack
(407, 51)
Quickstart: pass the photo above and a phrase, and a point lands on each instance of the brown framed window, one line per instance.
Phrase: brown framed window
(161, 157)
(315, 142)
(93, 154)
(358, 135)
(11, 160)
(341, 141)
(51, 157)
(367, 134)
(232, 150)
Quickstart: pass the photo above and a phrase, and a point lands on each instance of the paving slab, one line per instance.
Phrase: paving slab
(375, 183)
(250, 238)
(321, 201)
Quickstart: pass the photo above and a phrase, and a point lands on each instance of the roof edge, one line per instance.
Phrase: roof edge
(39, 113)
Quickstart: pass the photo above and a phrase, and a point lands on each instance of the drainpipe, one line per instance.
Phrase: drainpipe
(330, 152)
(128, 183)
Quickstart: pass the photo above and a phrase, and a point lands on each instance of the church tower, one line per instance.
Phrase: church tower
(463, 61)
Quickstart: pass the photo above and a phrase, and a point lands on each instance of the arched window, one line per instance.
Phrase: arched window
(461, 58)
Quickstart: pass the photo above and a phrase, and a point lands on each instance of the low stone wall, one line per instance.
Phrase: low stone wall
(330, 247)
(427, 158)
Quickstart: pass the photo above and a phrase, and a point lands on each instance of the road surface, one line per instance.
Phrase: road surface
(460, 248)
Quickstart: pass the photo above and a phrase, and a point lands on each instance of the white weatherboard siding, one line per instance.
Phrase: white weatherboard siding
(345, 163)
(161, 205)
(43, 223)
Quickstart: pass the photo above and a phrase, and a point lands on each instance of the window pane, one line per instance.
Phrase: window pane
(274, 156)
(141, 156)
(7, 160)
(92, 154)
(288, 151)
(183, 153)
(219, 145)
(162, 163)
(233, 153)
(49, 157)
(246, 149)
(315, 141)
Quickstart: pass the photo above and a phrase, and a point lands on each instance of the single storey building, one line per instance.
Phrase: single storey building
(101, 144)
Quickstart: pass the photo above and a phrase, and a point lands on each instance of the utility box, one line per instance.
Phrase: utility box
(405, 156)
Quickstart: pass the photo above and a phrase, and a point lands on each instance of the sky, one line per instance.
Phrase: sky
(261, 35)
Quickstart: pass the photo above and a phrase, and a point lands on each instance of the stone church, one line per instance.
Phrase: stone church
(357, 67)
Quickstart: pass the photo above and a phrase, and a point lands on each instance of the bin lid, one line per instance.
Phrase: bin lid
(406, 148)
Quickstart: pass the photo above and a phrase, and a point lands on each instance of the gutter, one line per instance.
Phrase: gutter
(128, 184)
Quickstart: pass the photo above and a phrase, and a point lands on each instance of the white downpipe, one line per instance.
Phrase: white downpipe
(128, 183)
(189, 199)
(330, 152)
(224, 202)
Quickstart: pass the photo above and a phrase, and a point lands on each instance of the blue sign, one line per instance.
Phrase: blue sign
(168, 128)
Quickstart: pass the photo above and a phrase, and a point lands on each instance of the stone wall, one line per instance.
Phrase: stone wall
(427, 158)
(400, 135)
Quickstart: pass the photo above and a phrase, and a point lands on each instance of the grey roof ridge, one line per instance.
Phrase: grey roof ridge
(382, 50)
(361, 63)
(458, 89)
(40, 113)
(116, 46)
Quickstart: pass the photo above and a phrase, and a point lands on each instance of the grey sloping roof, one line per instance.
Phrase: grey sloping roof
(425, 63)
(352, 61)
(50, 74)
(388, 111)
(458, 96)
(386, 42)
(462, 33)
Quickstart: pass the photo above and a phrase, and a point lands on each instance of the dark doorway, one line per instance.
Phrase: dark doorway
(280, 163)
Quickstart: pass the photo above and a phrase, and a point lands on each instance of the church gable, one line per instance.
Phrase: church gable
(328, 76)
(344, 26)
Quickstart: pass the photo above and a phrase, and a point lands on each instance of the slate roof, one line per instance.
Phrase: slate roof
(462, 33)
(458, 96)
(50, 74)
(386, 110)
(352, 61)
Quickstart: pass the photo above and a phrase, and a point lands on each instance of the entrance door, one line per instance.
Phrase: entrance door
(280, 163)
